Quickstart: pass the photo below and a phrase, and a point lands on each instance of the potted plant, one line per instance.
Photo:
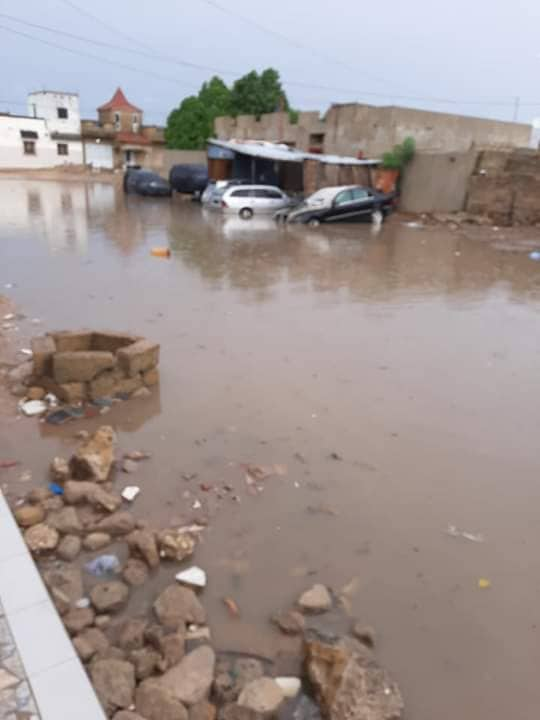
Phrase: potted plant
(393, 165)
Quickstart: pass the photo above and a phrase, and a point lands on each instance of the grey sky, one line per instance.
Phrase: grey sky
(464, 50)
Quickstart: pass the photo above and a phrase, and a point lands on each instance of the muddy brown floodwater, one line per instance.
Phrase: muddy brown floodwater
(412, 354)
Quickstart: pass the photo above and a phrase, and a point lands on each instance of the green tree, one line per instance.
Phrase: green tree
(255, 94)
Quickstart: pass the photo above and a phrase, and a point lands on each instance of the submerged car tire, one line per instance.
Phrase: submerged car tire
(314, 222)
(246, 213)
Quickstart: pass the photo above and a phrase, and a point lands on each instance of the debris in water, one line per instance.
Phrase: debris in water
(26, 476)
(414, 225)
(194, 576)
(130, 492)
(137, 455)
(232, 607)
(9, 316)
(59, 417)
(484, 583)
(301, 459)
(56, 489)
(196, 505)
(258, 473)
(5, 464)
(321, 509)
(51, 400)
(103, 565)
(33, 407)
(188, 476)
(290, 686)
(82, 603)
(160, 252)
(26, 351)
(129, 466)
(535, 255)
(455, 532)
(335, 456)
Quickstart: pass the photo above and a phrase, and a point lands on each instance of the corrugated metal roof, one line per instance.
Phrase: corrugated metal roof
(283, 153)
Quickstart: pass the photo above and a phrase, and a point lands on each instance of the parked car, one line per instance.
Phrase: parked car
(190, 179)
(215, 189)
(145, 182)
(338, 204)
(249, 199)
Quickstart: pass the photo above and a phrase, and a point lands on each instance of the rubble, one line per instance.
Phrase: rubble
(109, 597)
(94, 458)
(315, 600)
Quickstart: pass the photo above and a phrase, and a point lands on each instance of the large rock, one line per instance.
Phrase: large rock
(77, 619)
(72, 340)
(348, 682)
(135, 572)
(66, 521)
(262, 695)
(138, 357)
(143, 543)
(81, 491)
(68, 580)
(290, 622)
(59, 470)
(43, 348)
(233, 675)
(203, 710)
(96, 541)
(114, 683)
(154, 702)
(28, 515)
(145, 661)
(89, 642)
(81, 366)
(190, 680)
(178, 606)
(41, 538)
(93, 460)
(132, 634)
(119, 523)
(316, 600)
(109, 596)
(68, 548)
(175, 545)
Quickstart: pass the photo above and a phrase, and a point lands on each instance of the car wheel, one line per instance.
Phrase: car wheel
(314, 222)
(377, 217)
(246, 213)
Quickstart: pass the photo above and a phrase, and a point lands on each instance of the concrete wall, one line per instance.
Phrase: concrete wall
(356, 128)
(45, 105)
(12, 153)
(180, 157)
(437, 182)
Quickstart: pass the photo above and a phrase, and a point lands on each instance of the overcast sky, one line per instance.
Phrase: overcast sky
(479, 54)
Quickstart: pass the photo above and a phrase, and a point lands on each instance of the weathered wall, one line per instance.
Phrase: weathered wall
(179, 157)
(437, 182)
(355, 128)
(46, 154)
(506, 188)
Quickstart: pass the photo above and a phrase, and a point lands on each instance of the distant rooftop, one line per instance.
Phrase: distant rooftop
(52, 92)
(119, 102)
(283, 153)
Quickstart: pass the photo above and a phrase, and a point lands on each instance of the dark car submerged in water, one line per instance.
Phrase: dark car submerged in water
(346, 203)
(145, 182)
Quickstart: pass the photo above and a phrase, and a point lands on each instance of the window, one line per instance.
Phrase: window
(62, 113)
(62, 149)
(117, 121)
(273, 194)
(240, 193)
(316, 138)
(135, 122)
(360, 194)
(343, 197)
(29, 147)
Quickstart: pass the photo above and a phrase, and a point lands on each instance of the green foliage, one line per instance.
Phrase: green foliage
(294, 116)
(400, 156)
(191, 124)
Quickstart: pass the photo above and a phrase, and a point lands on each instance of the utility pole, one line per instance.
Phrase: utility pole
(517, 100)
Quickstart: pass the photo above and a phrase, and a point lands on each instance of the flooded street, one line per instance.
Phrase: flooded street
(396, 377)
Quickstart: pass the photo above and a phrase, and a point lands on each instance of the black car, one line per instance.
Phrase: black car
(348, 203)
(145, 182)
(191, 179)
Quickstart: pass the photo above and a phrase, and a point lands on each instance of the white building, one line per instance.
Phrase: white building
(49, 136)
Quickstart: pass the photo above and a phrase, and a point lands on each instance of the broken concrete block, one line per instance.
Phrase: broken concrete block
(112, 342)
(43, 349)
(129, 385)
(142, 355)
(105, 384)
(80, 366)
(67, 341)
(71, 393)
(151, 377)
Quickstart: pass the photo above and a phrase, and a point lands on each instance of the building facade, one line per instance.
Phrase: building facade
(118, 138)
(369, 131)
(49, 136)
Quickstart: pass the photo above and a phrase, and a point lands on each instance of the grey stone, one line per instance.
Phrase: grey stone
(69, 547)
(41, 538)
(190, 680)
(96, 541)
(77, 619)
(290, 623)
(109, 596)
(119, 523)
(132, 634)
(178, 606)
(156, 703)
(66, 521)
(316, 600)
(66, 579)
(94, 459)
(114, 683)
(262, 695)
(135, 572)
(145, 661)
(143, 543)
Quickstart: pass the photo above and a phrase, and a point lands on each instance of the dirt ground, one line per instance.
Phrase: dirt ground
(394, 376)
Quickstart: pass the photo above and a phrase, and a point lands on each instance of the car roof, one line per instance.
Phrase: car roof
(254, 187)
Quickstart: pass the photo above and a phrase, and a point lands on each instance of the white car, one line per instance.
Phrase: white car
(246, 200)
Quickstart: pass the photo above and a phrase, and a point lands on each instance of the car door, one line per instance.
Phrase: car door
(276, 199)
(362, 201)
(341, 207)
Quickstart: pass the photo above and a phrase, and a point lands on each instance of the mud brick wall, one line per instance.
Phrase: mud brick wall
(88, 365)
(506, 187)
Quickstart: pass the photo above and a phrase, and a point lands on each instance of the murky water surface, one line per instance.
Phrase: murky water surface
(414, 355)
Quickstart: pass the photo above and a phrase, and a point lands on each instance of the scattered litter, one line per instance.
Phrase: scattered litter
(296, 484)
(321, 509)
(104, 410)
(5, 464)
(290, 686)
(196, 505)
(160, 252)
(205, 487)
(535, 255)
(414, 225)
(33, 407)
(188, 476)
(103, 402)
(82, 435)
(301, 459)
(56, 489)
(82, 603)
(9, 316)
(191, 529)
(351, 588)
(232, 607)
(59, 417)
(192, 576)
(51, 400)
(457, 253)
(335, 456)
(103, 565)
(137, 455)
(26, 351)
(484, 583)
(130, 492)
(8, 286)
(26, 476)
(129, 466)
(258, 473)
(455, 532)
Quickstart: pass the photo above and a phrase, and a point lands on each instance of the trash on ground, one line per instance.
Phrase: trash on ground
(258, 473)
(26, 351)
(414, 225)
(82, 603)
(56, 489)
(290, 686)
(232, 607)
(137, 455)
(5, 464)
(301, 459)
(26, 476)
(59, 417)
(484, 583)
(160, 252)
(194, 576)
(130, 466)
(33, 407)
(9, 316)
(473, 537)
(321, 509)
(130, 492)
(196, 505)
(103, 565)
(535, 255)
(191, 529)
(51, 399)
(335, 456)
